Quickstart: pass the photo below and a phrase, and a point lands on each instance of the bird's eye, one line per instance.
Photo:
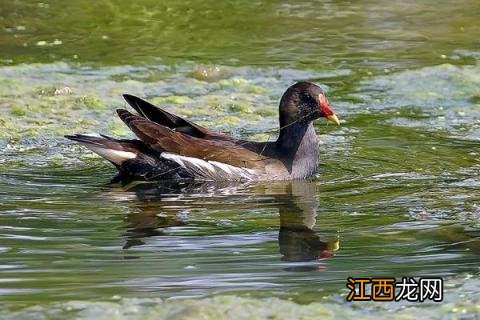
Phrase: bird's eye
(306, 98)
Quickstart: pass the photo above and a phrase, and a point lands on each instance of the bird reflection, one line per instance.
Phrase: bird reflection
(167, 205)
(297, 239)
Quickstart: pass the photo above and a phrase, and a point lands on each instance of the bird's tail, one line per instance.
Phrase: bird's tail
(114, 150)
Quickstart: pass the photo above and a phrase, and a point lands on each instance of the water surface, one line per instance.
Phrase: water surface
(396, 195)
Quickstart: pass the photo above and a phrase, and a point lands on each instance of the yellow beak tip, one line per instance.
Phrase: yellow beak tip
(333, 118)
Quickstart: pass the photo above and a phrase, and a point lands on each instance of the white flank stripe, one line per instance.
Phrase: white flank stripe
(211, 170)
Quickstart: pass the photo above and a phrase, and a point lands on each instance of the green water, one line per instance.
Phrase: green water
(397, 190)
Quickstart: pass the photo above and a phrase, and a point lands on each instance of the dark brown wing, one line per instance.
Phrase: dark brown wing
(163, 139)
(164, 118)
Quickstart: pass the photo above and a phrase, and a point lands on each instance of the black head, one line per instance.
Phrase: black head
(304, 102)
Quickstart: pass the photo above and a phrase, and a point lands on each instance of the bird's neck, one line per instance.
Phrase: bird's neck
(291, 135)
(297, 145)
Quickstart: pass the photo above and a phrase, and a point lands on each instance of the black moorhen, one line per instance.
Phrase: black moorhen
(170, 147)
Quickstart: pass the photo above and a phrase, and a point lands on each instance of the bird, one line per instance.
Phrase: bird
(169, 147)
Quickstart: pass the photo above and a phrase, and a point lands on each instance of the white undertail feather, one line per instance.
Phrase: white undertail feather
(211, 170)
(115, 156)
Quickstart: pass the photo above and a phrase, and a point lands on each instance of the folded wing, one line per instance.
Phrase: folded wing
(163, 138)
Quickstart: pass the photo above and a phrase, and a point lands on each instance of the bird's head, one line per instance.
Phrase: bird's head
(305, 102)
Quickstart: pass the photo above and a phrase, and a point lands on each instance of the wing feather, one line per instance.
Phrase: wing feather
(163, 139)
(169, 120)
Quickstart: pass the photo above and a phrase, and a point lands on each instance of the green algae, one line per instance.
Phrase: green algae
(212, 102)
(118, 129)
(261, 137)
(228, 121)
(266, 112)
(172, 99)
(90, 102)
(233, 307)
(53, 100)
(255, 89)
(210, 73)
(233, 83)
(18, 111)
(242, 85)
(57, 160)
(241, 108)
(45, 91)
